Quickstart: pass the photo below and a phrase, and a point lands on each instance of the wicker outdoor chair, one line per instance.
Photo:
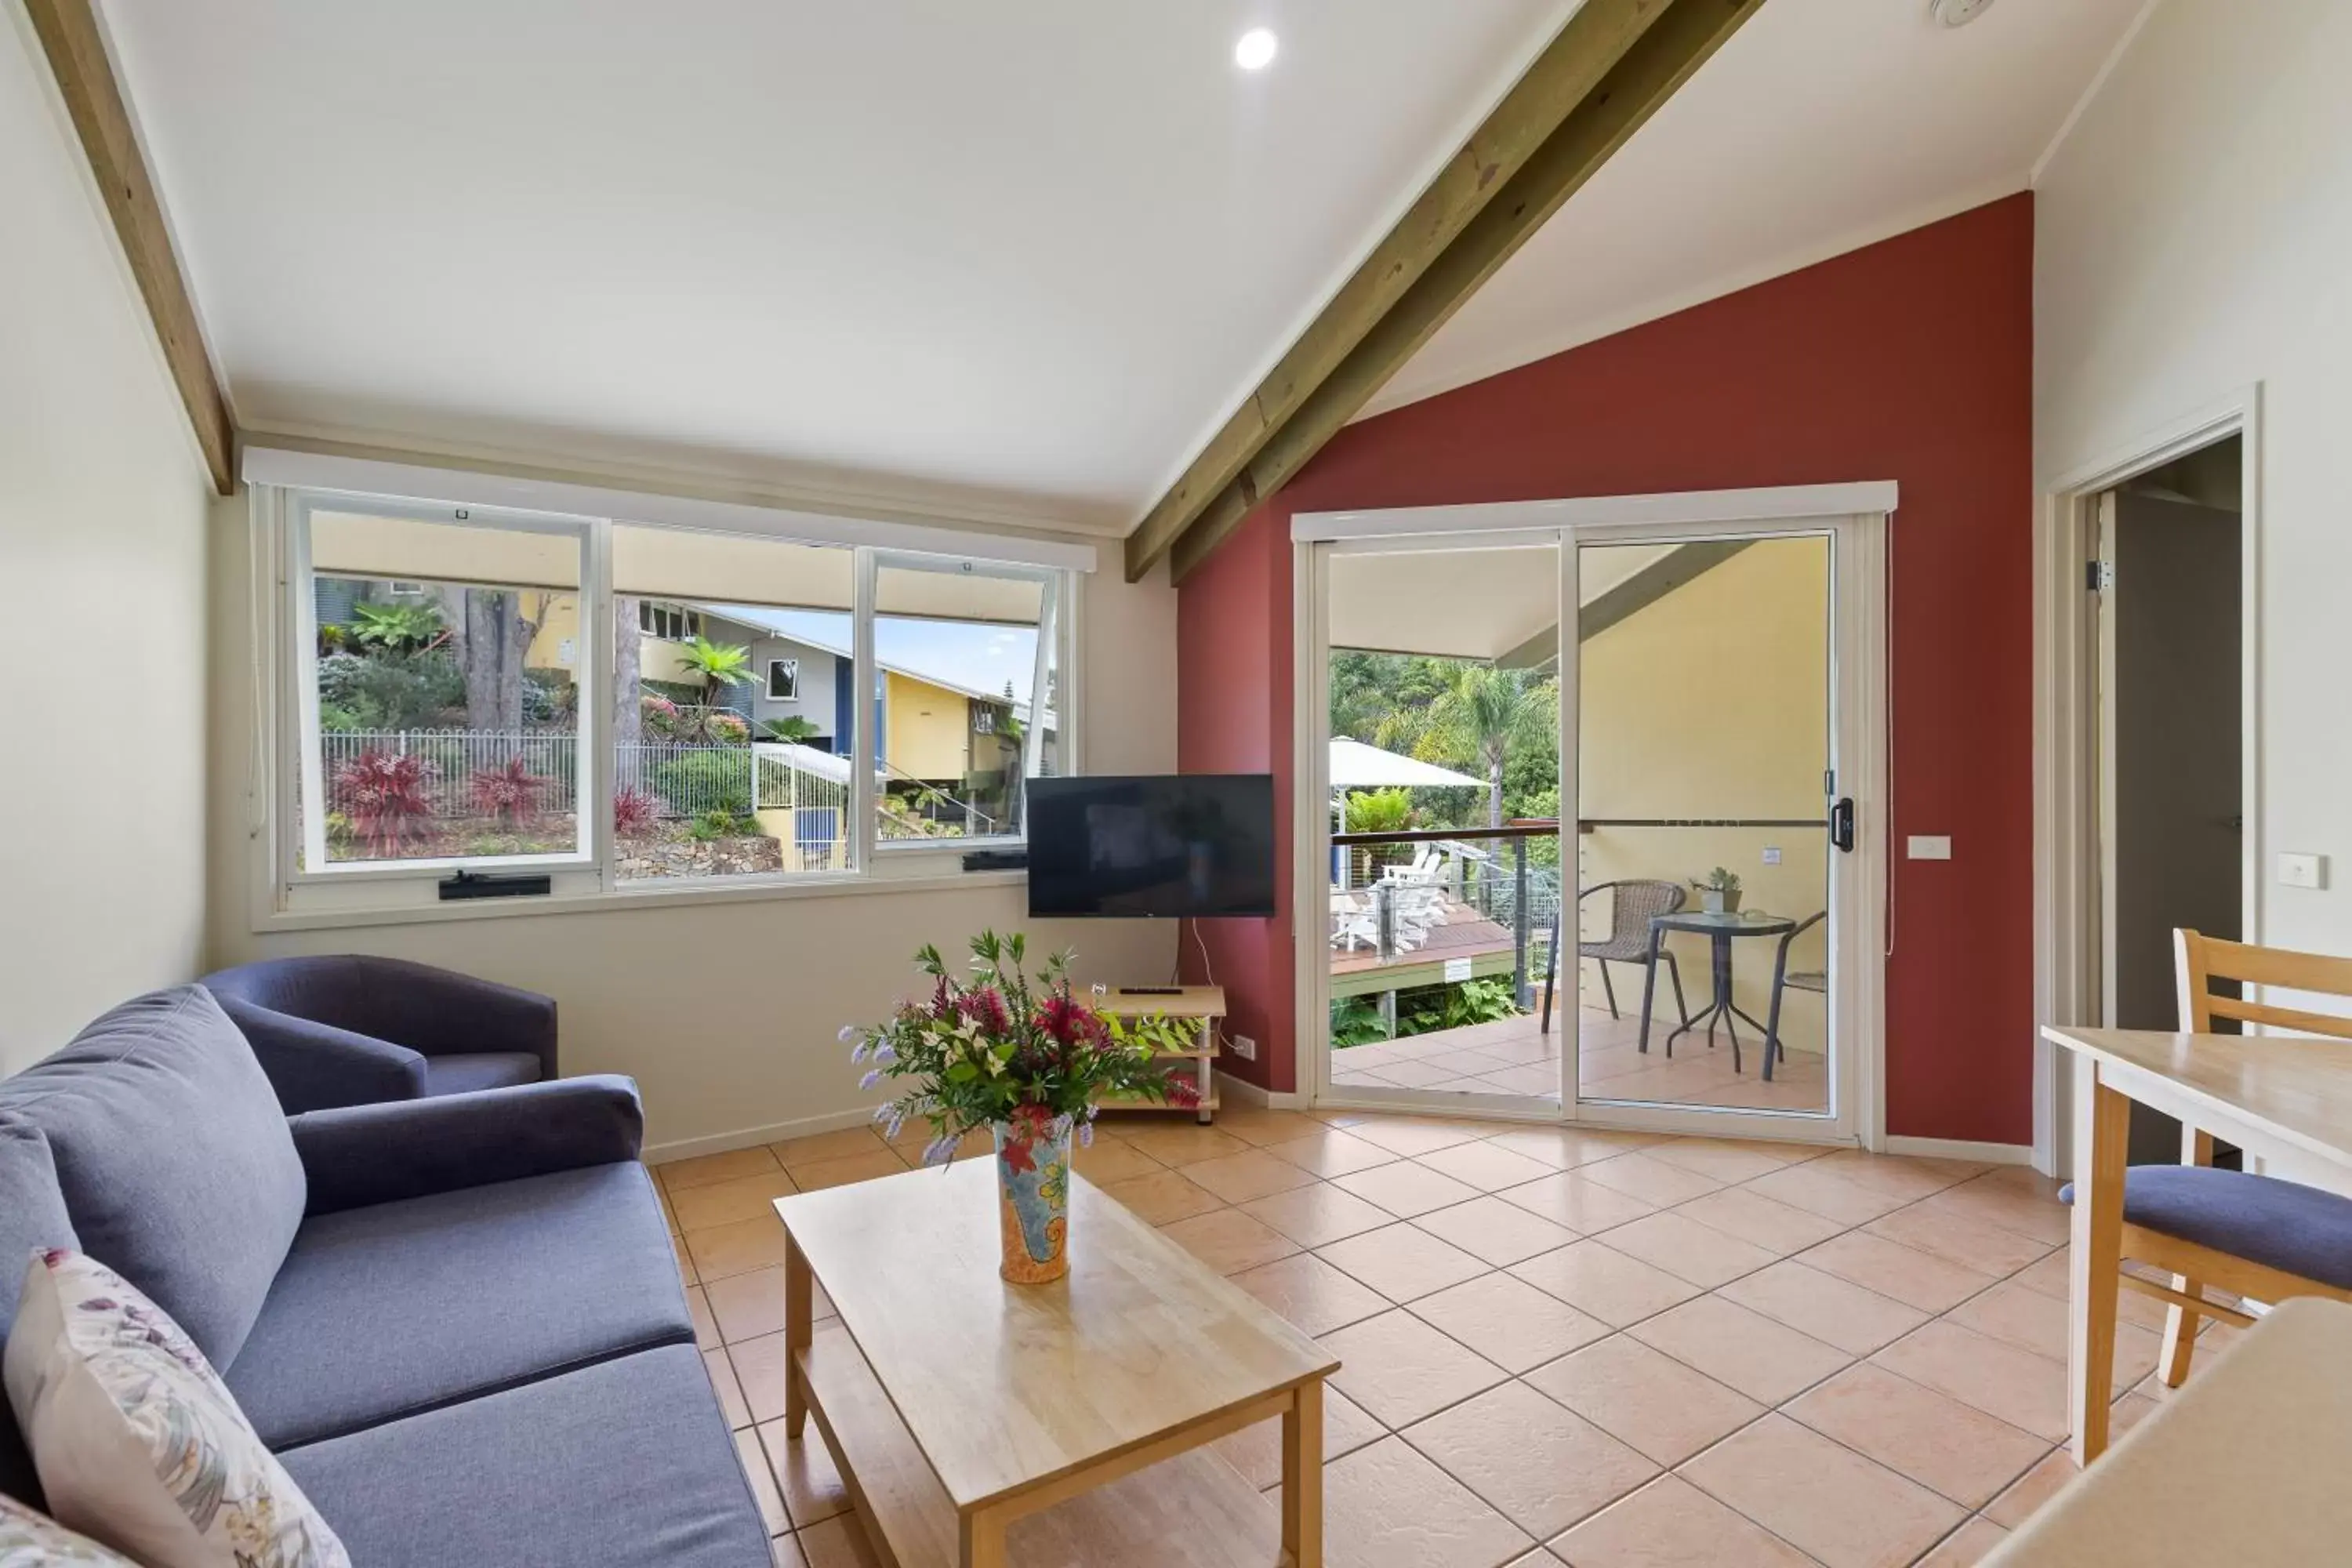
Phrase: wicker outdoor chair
(1631, 906)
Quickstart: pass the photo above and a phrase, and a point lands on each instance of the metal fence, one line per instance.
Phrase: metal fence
(456, 756)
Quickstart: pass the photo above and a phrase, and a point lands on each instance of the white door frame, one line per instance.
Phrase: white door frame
(1856, 516)
(2068, 877)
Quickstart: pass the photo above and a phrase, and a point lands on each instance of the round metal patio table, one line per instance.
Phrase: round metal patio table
(1720, 930)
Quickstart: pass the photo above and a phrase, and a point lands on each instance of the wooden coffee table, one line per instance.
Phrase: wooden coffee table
(956, 1405)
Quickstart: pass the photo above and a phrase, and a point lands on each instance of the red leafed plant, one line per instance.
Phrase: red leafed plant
(388, 799)
(634, 812)
(509, 792)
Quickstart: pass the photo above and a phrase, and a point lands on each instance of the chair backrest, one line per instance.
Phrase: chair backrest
(1632, 905)
(2200, 959)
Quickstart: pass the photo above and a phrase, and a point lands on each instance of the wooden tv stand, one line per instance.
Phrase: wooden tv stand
(1200, 1005)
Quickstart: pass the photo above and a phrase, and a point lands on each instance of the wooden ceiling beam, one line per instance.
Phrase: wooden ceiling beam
(69, 35)
(1654, 66)
(1594, 39)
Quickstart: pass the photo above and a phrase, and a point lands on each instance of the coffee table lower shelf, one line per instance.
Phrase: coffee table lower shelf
(1194, 1511)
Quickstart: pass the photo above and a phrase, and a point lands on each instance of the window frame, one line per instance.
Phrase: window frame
(792, 665)
(287, 748)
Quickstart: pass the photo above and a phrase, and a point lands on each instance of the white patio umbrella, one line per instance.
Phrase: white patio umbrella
(1355, 766)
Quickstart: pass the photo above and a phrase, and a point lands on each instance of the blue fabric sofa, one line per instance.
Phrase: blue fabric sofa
(458, 1320)
(353, 1029)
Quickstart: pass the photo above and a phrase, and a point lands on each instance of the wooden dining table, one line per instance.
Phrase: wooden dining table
(2274, 1096)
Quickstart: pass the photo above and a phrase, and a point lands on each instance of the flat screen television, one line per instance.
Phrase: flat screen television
(1197, 845)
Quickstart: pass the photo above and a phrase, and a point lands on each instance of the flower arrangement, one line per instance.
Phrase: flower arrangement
(996, 1050)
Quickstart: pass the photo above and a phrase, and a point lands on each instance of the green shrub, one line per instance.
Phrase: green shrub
(383, 691)
(701, 782)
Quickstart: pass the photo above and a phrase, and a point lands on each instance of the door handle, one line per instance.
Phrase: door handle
(1842, 825)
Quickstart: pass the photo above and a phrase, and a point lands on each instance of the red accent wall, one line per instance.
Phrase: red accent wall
(1908, 360)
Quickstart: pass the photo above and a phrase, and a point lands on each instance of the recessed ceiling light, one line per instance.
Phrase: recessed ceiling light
(1255, 51)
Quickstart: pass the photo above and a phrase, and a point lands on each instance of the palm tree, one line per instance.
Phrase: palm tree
(718, 666)
(1488, 714)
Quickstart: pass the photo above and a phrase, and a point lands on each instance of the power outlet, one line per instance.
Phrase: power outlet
(1243, 1047)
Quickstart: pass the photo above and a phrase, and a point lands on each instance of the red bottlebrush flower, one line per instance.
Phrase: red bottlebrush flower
(986, 1008)
(1182, 1091)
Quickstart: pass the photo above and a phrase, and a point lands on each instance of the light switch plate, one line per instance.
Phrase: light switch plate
(1930, 847)
(1771, 854)
(2302, 870)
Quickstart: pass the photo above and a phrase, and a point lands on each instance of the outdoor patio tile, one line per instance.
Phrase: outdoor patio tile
(678, 1175)
(1750, 1217)
(840, 1172)
(1671, 1523)
(1401, 1370)
(2025, 1495)
(1163, 1197)
(1109, 1160)
(1962, 1239)
(1698, 1253)
(1571, 1199)
(2031, 1320)
(1498, 1232)
(1508, 1322)
(1401, 1261)
(2025, 1390)
(1406, 1189)
(1652, 1180)
(1252, 1174)
(1388, 1506)
(824, 1146)
(1544, 1466)
(1723, 1159)
(803, 1470)
(1484, 1166)
(1409, 1135)
(1310, 1294)
(736, 1248)
(1966, 1546)
(1564, 1148)
(1180, 1143)
(1831, 1310)
(1953, 1448)
(1536, 1081)
(1317, 1213)
(1917, 1278)
(1419, 1073)
(1613, 1287)
(1229, 1240)
(1256, 1451)
(1645, 1398)
(1766, 1360)
(1829, 1501)
(1821, 1192)
(738, 1198)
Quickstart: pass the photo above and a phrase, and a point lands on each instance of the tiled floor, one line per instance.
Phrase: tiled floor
(1517, 1056)
(1610, 1350)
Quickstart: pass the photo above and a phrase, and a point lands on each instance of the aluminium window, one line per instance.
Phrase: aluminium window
(783, 679)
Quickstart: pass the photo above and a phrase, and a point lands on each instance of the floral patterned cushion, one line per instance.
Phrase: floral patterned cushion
(138, 1443)
(29, 1540)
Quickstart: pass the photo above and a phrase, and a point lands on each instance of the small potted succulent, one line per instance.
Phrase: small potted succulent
(1719, 891)
(1027, 1061)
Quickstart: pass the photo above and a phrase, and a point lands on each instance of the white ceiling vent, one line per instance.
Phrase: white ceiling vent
(1958, 13)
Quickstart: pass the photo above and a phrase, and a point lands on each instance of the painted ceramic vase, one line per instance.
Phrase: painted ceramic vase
(1032, 1196)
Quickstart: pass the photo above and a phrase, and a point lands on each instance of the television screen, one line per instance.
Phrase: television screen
(1196, 844)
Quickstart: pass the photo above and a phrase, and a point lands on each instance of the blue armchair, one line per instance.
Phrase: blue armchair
(357, 1030)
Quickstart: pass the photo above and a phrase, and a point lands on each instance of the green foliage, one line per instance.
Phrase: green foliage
(1423, 1010)
(791, 730)
(1722, 879)
(549, 696)
(715, 666)
(396, 628)
(1380, 810)
(1355, 1021)
(1412, 704)
(705, 780)
(713, 826)
(389, 691)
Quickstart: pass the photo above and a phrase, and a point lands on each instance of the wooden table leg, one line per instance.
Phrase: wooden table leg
(982, 1543)
(2102, 1137)
(1302, 1476)
(799, 1308)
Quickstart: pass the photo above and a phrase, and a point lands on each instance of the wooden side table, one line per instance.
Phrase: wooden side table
(1202, 1006)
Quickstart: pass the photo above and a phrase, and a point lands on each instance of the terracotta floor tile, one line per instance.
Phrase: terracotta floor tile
(836, 1544)
(1542, 1466)
(1760, 1221)
(1318, 1214)
(1671, 1523)
(1496, 1231)
(821, 1174)
(1613, 1287)
(1723, 1159)
(1905, 1274)
(1388, 1506)
(738, 1198)
(1256, 1451)
(2019, 1388)
(1964, 1239)
(680, 1174)
(759, 1368)
(1952, 1448)
(730, 1392)
(1402, 1261)
(1827, 1500)
(749, 1305)
(1252, 1174)
(1999, 1201)
(1565, 1148)
(1571, 1199)
(1818, 1192)
(1332, 1152)
(1264, 1127)
(685, 1271)
(1966, 1546)
(1508, 1322)
(1855, 1321)
(785, 1552)
(2032, 1489)
(1645, 1398)
(2031, 1320)
(1181, 1143)
(1229, 1240)
(1645, 1176)
(705, 1327)
(1766, 1360)
(1687, 1249)
(669, 1215)
(1401, 1370)
(1484, 1166)
(1112, 1159)
(1904, 1177)
(762, 1481)
(826, 1146)
(737, 1248)
(1163, 1197)
(1310, 1294)
(1406, 1189)
(1409, 1135)
(804, 1474)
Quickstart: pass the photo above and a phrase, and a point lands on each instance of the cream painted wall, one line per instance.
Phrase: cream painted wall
(1712, 703)
(726, 1014)
(103, 506)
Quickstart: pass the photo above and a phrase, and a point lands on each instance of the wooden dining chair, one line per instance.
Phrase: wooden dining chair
(2255, 1236)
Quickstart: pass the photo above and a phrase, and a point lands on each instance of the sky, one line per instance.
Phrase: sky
(976, 658)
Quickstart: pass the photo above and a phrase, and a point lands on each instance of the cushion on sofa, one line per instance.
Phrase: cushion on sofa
(382, 1311)
(32, 1219)
(619, 1465)
(173, 1158)
(478, 1071)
